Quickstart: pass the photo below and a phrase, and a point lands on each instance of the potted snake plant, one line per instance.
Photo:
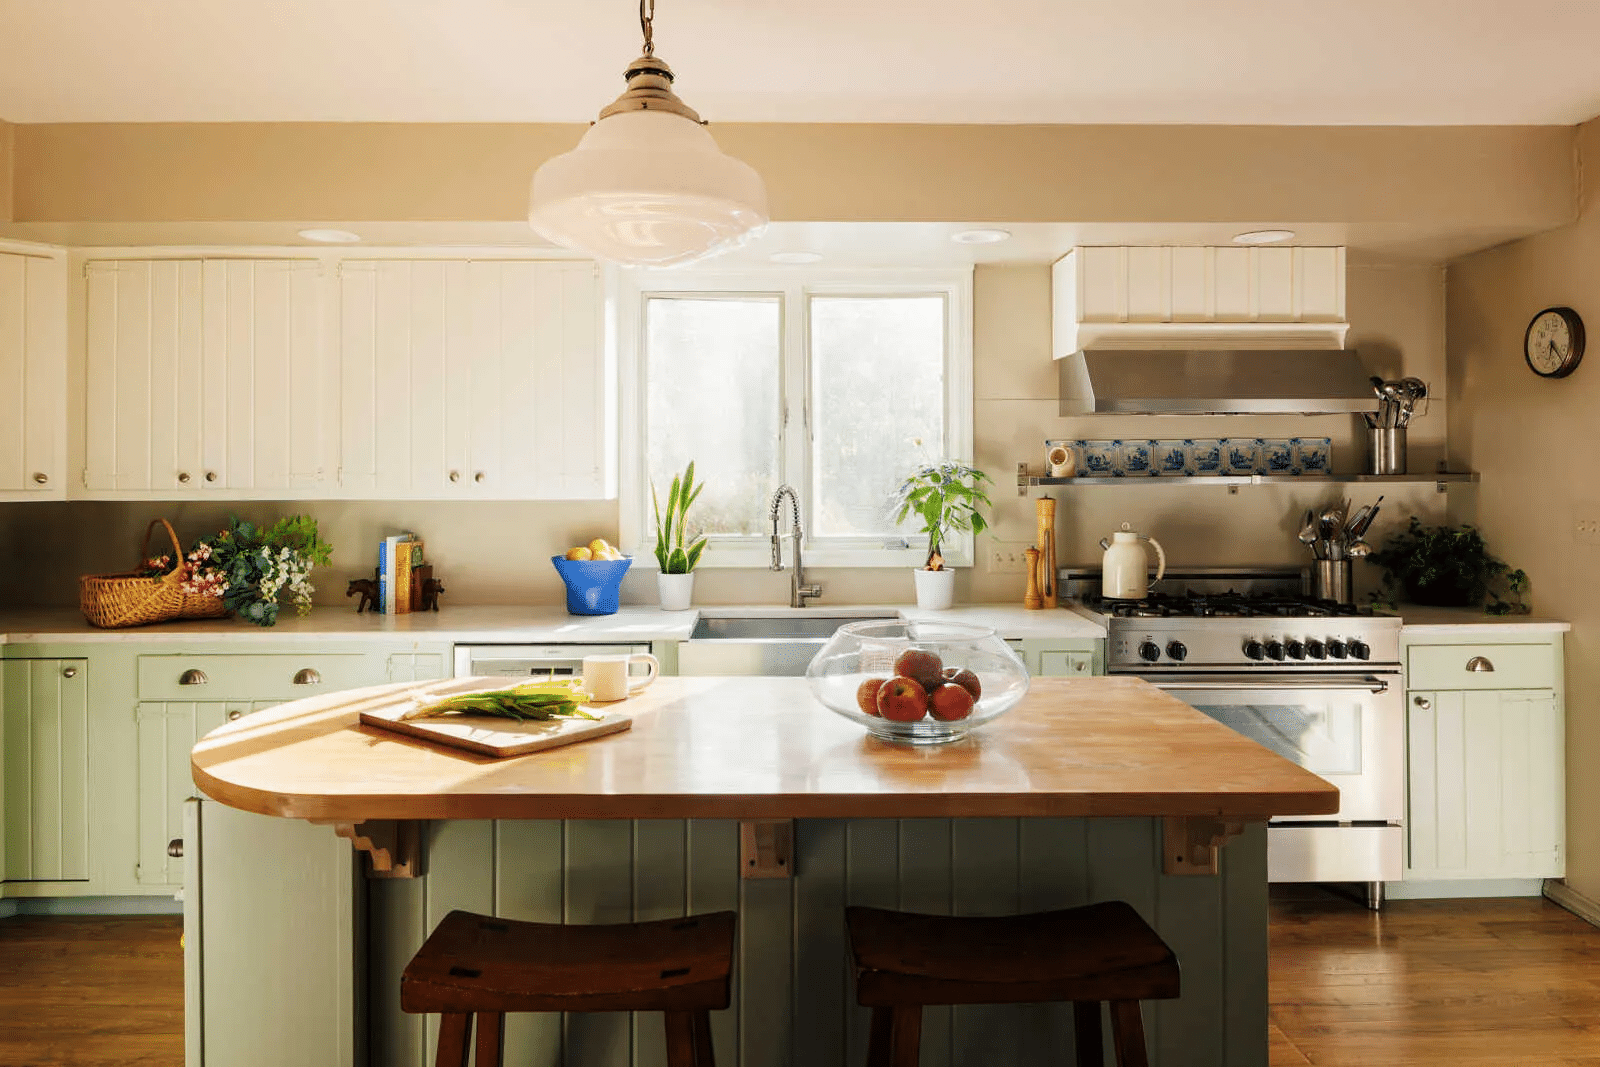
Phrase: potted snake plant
(675, 558)
(945, 498)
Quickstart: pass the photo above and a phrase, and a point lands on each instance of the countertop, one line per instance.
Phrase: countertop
(532, 624)
(763, 748)
(1417, 620)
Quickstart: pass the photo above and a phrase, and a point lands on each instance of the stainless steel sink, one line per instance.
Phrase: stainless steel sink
(769, 644)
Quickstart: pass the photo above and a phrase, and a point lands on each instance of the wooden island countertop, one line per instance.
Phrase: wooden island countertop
(762, 749)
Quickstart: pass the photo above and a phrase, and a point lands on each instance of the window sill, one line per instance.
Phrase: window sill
(729, 558)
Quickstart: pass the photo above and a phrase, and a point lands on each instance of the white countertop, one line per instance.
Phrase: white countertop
(1418, 620)
(531, 624)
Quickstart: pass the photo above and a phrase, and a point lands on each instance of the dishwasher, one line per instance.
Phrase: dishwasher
(533, 661)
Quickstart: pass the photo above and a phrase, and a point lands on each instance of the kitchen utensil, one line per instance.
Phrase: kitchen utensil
(1360, 531)
(1045, 512)
(1330, 580)
(1355, 520)
(1125, 568)
(1386, 450)
(1031, 598)
(1358, 550)
(606, 676)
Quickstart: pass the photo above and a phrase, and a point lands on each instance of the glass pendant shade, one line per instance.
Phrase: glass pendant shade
(647, 188)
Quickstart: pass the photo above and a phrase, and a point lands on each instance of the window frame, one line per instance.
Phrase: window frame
(794, 288)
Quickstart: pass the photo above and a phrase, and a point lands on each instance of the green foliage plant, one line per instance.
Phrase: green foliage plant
(1448, 566)
(672, 554)
(946, 498)
(257, 563)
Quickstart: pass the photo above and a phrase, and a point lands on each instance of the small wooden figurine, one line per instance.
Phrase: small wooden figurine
(430, 594)
(368, 588)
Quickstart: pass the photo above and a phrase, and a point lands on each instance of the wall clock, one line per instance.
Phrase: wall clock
(1553, 345)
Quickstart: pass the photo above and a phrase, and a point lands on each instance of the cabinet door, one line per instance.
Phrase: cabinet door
(45, 804)
(1056, 664)
(473, 380)
(33, 376)
(167, 732)
(206, 375)
(1486, 784)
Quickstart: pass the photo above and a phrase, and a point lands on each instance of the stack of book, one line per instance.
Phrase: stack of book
(401, 564)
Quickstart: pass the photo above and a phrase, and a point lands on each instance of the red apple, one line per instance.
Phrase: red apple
(921, 666)
(902, 700)
(965, 679)
(867, 694)
(950, 702)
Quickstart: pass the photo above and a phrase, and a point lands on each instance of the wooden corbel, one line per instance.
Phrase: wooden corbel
(766, 849)
(1191, 844)
(393, 847)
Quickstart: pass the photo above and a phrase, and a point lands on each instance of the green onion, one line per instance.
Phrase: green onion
(529, 702)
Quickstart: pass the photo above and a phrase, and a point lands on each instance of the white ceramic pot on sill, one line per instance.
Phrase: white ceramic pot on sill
(676, 590)
(936, 590)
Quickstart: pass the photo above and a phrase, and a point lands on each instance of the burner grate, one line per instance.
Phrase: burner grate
(1229, 605)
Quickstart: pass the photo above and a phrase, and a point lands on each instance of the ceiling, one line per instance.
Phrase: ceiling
(1296, 62)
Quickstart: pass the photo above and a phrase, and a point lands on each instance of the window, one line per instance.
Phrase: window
(837, 383)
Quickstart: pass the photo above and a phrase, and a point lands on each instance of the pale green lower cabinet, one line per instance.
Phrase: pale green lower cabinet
(44, 806)
(1060, 659)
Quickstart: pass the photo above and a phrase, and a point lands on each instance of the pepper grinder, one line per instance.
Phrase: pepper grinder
(1031, 599)
(1045, 507)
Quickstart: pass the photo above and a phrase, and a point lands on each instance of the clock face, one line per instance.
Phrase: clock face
(1553, 344)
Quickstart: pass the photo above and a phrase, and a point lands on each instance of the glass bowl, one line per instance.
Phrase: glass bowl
(920, 665)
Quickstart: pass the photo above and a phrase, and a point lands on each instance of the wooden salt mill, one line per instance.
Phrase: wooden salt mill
(1045, 506)
(1031, 599)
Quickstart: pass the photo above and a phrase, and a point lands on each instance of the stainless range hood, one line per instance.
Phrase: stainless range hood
(1207, 382)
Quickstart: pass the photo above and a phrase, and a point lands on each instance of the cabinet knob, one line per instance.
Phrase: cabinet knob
(183, 477)
(69, 672)
(175, 848)
(478, 477)
(41, 478)
(307, 676)
(1480, 665)
(1422, 702)
(193, 676)
(211, 476)
(455, 476)
(234, 714)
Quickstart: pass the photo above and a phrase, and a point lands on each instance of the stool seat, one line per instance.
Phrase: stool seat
(475, 963)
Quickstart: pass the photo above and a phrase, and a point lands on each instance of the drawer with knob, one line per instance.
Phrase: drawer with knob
(1481, 666)
(273, 676)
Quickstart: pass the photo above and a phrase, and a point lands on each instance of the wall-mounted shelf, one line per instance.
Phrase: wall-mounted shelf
(1441, 479)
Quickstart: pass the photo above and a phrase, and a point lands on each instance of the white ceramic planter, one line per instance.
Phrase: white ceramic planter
(677, 590)
(936, 590)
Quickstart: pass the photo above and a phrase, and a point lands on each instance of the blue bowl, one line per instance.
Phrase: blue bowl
(592, 584)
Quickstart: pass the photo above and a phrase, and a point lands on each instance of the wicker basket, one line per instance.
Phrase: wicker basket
(202, 607)
(114, 601)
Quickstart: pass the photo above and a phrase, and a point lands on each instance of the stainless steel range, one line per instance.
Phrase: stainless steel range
(1319, 683)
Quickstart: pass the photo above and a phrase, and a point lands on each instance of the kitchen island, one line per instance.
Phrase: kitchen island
(1089, 789)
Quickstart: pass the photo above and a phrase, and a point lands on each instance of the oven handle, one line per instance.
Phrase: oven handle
(1376, 685)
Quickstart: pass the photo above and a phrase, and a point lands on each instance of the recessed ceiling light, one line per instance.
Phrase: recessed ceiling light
(795, 257)
(980, 237)
(1263, 237)
(331, 237)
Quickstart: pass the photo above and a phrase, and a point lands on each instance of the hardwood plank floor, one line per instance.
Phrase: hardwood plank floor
(81, 991)
(1460, 982)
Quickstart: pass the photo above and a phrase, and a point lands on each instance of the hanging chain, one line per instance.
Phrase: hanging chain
(647, 16)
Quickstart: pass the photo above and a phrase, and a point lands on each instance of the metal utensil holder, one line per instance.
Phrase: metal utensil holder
(1386, 449)
(1330, 580)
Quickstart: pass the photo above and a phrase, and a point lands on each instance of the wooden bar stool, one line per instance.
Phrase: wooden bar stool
(477, 965)
(1102, 952)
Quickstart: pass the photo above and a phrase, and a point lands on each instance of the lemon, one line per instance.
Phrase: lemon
(579, 553)
(599, 547)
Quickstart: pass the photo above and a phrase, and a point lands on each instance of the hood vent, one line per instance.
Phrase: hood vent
(1214, 382)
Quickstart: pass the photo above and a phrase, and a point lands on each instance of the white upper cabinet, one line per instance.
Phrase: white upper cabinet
(207, 377)
(1155, 297)
(33, 375)
(473, 379)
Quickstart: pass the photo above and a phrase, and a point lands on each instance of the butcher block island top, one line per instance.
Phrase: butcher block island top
(764, 748)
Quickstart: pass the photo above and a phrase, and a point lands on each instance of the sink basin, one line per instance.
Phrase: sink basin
(781, 645)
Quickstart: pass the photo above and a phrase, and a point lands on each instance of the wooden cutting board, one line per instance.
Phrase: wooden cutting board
(485, 734)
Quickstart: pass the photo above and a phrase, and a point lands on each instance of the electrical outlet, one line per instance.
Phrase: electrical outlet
(1006, 557)
(1586, 531)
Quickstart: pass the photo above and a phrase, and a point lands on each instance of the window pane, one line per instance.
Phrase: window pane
(711, 374)
(877, 376)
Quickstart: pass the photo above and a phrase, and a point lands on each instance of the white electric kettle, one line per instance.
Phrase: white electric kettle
(1125, 566)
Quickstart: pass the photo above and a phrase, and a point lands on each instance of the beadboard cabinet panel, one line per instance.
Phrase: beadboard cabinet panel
(33, 376)
(44, 742)
(473, 380)
(207, 377)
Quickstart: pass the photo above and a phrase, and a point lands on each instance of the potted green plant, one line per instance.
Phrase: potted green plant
(675, 558)
(1447, 566)
(945, 498)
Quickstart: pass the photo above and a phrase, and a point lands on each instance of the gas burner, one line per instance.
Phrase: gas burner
(1229, 605)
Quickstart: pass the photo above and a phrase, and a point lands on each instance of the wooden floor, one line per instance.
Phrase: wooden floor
(1458, 982)
(76, 992)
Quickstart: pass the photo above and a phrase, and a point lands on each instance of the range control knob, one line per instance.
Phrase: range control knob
(1360, 650)
(1177, 650)
(1253, 649)
(1275, 650)
(1296, 649)
(1149, 651)
(1316, 649)
(1336, 649)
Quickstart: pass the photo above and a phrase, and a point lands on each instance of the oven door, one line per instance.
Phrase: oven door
(1346, 728)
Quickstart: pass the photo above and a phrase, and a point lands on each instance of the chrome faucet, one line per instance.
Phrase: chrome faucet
(799, 591)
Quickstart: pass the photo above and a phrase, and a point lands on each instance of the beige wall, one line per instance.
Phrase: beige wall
(1472, 179)
(1537, 446)
(489, 553)
(7, 151)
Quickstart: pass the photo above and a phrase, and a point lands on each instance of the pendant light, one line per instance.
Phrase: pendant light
(647, 185)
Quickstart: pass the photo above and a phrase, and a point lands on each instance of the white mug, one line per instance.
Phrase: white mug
(606, 677)
(1061, 462)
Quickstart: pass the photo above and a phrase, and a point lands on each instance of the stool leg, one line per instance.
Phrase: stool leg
(1086, 1033)
(1127, 1033)
(488, 1047)
(878, 1037)
(705, 1056)
(455, 1029)
(680, 1039)
(905, 1036)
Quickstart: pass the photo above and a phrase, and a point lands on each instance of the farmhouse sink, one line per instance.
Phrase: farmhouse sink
(778, 644)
